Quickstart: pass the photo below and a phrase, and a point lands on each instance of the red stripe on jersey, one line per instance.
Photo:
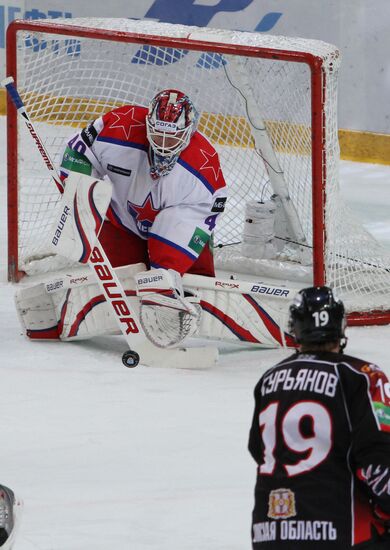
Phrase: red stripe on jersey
(127, 123)
(364, 521)
(383, 516)
(163, 254)
(110, 214)
(378, 384)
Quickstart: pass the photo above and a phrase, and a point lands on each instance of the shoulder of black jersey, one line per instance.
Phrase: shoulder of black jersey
(288, 359)
(351, 361)
(330, 357)
(360, 366)
(281, 363)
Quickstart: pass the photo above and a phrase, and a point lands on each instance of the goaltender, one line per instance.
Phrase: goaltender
(321, 438)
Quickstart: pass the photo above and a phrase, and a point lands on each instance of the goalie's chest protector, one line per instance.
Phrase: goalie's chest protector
(122, 150)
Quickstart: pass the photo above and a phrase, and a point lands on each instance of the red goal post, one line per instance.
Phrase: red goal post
(268, 104)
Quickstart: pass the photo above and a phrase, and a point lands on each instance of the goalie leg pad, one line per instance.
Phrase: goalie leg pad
(71, 314)
(241, 318)
(37, 312)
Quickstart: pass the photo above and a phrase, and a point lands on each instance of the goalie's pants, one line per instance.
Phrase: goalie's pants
(124, 248)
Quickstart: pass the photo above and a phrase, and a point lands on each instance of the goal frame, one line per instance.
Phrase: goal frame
(318, 126)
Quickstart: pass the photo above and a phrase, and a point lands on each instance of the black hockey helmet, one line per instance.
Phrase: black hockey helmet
(317, 316)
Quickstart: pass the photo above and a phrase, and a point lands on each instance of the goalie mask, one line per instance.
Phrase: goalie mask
(170, 123)
(317, 316)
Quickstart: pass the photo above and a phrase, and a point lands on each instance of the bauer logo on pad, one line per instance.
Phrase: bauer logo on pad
(60, 226)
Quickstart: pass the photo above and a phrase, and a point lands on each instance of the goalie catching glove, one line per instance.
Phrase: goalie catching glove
(166, 314)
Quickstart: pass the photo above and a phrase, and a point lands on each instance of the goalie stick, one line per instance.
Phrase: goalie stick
(127, 321)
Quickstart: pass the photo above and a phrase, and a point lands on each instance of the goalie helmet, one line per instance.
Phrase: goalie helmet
(170, 123)
(317, 316)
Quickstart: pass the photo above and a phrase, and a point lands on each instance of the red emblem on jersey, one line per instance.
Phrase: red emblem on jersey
(211, 163)
(144, 215)
(127, 121)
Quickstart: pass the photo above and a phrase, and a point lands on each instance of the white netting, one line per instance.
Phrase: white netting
(67, 81)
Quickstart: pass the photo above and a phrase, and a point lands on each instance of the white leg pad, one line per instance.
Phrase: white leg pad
(232, 317)
(82, 313)
(37, 312)
(75, 313)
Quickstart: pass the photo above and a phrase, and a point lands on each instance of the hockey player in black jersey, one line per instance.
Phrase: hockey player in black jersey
(321, 438)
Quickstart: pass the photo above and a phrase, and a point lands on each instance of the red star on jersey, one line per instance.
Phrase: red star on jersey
(126, 121)
(211, 163)
(144, 214)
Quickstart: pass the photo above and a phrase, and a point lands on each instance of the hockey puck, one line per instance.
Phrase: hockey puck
(130, 359)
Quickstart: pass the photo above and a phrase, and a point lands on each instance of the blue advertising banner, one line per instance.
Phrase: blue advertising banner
(360, 32)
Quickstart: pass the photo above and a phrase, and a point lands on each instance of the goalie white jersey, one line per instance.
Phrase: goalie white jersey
(176, 213)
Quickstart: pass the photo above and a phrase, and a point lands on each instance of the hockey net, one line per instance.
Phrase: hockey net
(268, 104)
